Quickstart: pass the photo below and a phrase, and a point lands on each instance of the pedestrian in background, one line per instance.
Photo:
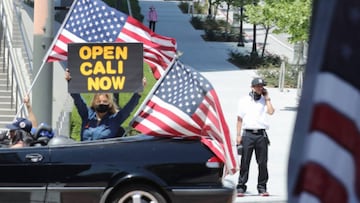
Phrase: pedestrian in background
(252, 122)
(152, 18)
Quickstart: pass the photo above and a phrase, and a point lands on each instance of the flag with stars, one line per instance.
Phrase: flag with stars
(324, 164)
(95, 21)
(185, 104)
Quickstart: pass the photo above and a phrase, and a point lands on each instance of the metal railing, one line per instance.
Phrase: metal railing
(11, 63)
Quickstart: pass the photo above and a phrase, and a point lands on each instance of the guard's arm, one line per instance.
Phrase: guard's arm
(269, 107)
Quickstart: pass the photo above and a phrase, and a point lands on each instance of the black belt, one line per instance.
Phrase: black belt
(255, 131)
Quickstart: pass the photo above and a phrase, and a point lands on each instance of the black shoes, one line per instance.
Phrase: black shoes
(263, 193)
(240, 192)
(242, 189)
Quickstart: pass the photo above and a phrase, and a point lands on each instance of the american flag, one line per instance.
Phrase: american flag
(324, 163)
(185, 104)
(95, 21)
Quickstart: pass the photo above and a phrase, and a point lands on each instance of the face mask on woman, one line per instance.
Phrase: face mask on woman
(102, 108)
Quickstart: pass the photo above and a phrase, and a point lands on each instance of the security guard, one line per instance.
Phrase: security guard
(252, 122)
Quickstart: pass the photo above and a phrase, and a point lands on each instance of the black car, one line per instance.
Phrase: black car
(134, 169)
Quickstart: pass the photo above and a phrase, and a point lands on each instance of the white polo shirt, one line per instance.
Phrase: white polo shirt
(253, 113)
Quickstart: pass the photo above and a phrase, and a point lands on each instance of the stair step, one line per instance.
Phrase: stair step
(7, 118)
(6, 105)
(5, 93)
(3, 80)
(4, 88)
(4, 123)
(7, 112)
(4, 99)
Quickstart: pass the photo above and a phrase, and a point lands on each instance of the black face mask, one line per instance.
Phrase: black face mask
(255, 95)
(102, 108)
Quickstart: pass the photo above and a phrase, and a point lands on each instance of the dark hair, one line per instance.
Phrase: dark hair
(21, 135)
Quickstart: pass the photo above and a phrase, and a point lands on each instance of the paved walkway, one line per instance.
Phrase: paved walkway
(230, 82)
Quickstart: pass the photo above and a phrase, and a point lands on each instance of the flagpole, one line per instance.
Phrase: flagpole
(143, 104)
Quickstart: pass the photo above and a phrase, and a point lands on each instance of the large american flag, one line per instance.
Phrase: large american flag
(324, 163)
(95, 21)
(185, 104)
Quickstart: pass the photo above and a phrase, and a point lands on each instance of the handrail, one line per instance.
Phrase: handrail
(12, 64)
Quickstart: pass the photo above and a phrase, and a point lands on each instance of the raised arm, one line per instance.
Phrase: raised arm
(31, 115)
(125, 112)
(78, 100)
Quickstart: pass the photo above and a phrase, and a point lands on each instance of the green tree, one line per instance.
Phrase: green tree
(261, 14)
(292, 17)
(229, 4)
(287, 16)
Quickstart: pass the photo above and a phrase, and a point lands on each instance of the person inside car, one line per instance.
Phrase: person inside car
(102, 119)
(20, 133)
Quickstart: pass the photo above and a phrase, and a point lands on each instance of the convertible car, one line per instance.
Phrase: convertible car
(134, 169)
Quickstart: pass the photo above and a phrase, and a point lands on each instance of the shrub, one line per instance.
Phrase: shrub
(272, 75)
(198, 8)
(184, 7)
(211, 24)
(267, 67)
(197, 22)
(247, 60)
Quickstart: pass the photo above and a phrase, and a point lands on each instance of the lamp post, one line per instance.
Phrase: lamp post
(254, 51)
(241, 39)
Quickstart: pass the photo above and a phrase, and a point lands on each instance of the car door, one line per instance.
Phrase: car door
(76, 175)
(23, 174)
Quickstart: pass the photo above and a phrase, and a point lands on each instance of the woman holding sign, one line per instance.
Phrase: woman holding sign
(102, 119)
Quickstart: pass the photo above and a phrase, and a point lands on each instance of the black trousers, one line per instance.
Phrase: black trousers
(251, 142)
(152, 25)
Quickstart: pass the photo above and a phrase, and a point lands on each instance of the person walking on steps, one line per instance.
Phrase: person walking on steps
(152, 18)
(252, 122)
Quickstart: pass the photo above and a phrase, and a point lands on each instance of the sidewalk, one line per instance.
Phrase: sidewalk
(230, 83)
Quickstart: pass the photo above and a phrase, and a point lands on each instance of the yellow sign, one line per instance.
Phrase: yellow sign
(107, 67)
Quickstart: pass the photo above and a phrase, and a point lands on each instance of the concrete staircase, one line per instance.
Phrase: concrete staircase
(12, 90)
(7, 107)
(8, 86)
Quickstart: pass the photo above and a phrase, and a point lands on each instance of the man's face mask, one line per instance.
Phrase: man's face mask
(102, 108)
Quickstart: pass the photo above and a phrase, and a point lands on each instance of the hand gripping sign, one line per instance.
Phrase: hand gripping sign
(105, 67)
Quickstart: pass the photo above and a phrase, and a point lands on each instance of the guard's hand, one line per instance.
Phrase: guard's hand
(239, 149)
(264, 92)
(238, 140)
